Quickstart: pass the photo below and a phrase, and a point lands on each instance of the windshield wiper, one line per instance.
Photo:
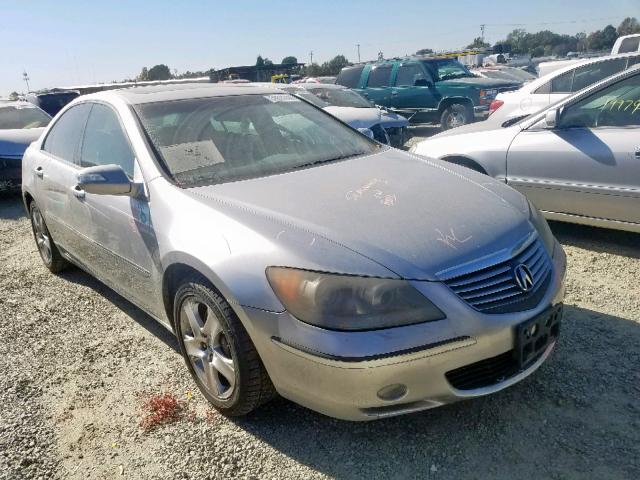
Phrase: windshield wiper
(328, 160)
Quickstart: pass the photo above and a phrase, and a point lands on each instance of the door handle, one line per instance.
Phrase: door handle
(638, 153)
(39, 171)
(77, 192)
(394, 92)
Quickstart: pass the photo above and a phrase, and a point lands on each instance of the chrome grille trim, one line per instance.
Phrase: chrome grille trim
(492, 289)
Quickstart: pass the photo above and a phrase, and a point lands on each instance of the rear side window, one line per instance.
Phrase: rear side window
(629, 45)
(409, 74)
(350, 77)
(64, 137)
(104, 141)
(590, 74)
(380, 76)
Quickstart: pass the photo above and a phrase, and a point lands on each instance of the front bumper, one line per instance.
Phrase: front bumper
(341, 374)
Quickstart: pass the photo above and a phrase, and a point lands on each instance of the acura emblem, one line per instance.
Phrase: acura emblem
(523, 277)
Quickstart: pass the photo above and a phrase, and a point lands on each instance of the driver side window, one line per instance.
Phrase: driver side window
(617, 105)
(105, 142)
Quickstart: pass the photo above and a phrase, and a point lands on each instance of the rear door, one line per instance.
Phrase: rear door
(588, 165)
(378, 86)
(59, 175)
(413, 87)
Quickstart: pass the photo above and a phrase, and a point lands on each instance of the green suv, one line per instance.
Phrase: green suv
(427, 89)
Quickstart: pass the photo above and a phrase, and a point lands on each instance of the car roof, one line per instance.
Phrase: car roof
(573, 65)
(161, 93)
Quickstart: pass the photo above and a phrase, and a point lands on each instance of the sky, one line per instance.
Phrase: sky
(78, 42)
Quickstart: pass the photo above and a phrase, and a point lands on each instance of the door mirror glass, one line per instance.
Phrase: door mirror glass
(422, 82)
(551, 118)
(105, 180)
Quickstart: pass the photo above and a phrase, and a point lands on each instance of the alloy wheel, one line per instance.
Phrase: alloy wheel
(455, 119)
(207, 348)
(42, 236)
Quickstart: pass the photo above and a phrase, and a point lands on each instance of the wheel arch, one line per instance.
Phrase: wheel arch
(465, 161)
(448, 101)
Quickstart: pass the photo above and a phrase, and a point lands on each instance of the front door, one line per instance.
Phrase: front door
(588, 165)
(120, 243)
(414, 88)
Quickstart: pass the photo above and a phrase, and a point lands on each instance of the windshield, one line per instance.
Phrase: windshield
(339, 97)
(206, 141)
(446, 69)
(21, 117)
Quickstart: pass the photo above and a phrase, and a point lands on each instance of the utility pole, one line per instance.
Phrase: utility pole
(482, 31)
(311, 56)
(358, 45)
(25, 77)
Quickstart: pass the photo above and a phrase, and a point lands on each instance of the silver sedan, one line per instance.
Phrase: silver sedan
(291, 254)
(577, 160)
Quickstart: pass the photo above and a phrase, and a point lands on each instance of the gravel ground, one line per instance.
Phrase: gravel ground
(79, 362)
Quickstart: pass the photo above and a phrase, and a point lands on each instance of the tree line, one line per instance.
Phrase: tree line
(518, 41)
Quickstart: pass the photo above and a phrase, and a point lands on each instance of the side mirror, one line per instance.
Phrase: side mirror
(106, 180)
(551, 118)
(421, 82)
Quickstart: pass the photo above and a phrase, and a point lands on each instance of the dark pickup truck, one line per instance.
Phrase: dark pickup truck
(426, 89)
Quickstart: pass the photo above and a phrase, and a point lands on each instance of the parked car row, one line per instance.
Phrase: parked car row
(289, 253)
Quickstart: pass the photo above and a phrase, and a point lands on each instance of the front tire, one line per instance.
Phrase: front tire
(218, 351)
(49, 253)
(455, 115)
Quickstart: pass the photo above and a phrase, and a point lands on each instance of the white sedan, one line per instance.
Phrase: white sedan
(557, 85)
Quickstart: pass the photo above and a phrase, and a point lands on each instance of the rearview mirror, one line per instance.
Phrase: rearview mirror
(551, 118)
(106, 180)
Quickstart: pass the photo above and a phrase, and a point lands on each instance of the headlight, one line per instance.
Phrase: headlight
(541, 225)
(342, 302)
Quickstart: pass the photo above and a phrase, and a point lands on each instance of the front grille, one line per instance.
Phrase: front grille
(494, 289)
(484, 373)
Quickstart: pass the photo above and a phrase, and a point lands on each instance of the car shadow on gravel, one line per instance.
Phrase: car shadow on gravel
(11, 207)
(80, 277)
(601, 240)
(573, 418)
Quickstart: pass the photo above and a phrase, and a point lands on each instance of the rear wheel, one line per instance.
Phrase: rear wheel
(46, 247)
(455, 115)
(218, 351)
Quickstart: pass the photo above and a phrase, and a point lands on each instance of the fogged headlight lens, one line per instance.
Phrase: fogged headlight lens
(541, 225)
(342, 302)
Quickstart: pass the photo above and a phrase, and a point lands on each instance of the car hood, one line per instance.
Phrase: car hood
(415, 217)
(14, 142)
(481, 82)
(356, 117)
